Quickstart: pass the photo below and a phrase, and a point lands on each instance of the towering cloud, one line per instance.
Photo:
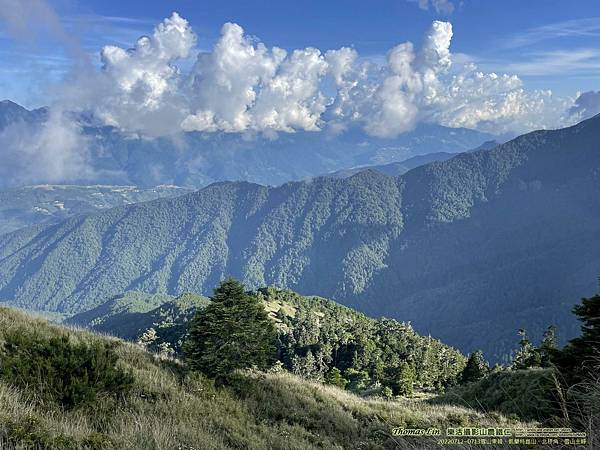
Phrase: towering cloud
(139, 89)
(241, 85)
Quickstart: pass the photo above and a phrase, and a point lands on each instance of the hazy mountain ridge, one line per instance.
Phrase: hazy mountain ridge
(130, 314)
(11, 112)
(197, 159)
(29, 205)
(395, 169)
(479, 245)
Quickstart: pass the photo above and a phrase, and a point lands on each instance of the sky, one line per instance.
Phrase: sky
(498, 66)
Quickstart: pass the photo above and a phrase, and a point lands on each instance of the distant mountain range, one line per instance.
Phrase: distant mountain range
(195, 160)
(45, 204)
(11, 113)
(395, 169)
(469, 249)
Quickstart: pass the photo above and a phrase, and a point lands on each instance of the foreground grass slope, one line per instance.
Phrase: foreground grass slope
(167, 408)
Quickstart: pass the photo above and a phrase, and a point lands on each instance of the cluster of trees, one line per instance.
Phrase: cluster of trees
(322, 337)
(574, 361)
(527, 356)
(316, 339)
(546, 383)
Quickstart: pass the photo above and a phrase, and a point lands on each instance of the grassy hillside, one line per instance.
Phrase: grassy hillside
(166, 408)
(469, 250)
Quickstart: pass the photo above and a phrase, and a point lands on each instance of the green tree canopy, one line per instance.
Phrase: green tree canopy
(528, 355)
(233, 332)
(476, 368)
(334, 377)
(582, 354)
(548, 346)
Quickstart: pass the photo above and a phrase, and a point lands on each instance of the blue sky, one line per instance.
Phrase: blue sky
(548, 44)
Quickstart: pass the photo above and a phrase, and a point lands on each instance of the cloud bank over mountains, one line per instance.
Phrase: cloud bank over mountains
(164, 85)
(244, 86)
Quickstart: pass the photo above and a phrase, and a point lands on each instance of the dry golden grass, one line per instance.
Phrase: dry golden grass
(170, 409)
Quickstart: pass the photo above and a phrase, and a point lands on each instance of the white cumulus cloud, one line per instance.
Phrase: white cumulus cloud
(138, 90)
(242, 85)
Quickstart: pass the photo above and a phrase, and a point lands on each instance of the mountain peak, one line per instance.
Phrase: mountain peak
(10, 104)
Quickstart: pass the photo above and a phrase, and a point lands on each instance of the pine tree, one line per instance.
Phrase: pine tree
(233, 332)
(527, 355)
(581, 355)
(476, 368)
(548, 346)
(401, 378)
(305, 366)
(406, 379)
(334, 377)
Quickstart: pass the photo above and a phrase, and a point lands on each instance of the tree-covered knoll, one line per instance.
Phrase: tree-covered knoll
(316, 338)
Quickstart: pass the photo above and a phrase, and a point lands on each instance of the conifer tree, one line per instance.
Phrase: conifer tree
(548, 346)
(476, 368)
(527, 355)
(334, 377)
(581, 356)
(233, 332)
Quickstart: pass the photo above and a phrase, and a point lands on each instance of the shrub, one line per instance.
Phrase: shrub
(527, 393)
(29, 432)
(59, 371)
(335, 378)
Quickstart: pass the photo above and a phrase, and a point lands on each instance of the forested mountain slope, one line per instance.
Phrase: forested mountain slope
(469, 249)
